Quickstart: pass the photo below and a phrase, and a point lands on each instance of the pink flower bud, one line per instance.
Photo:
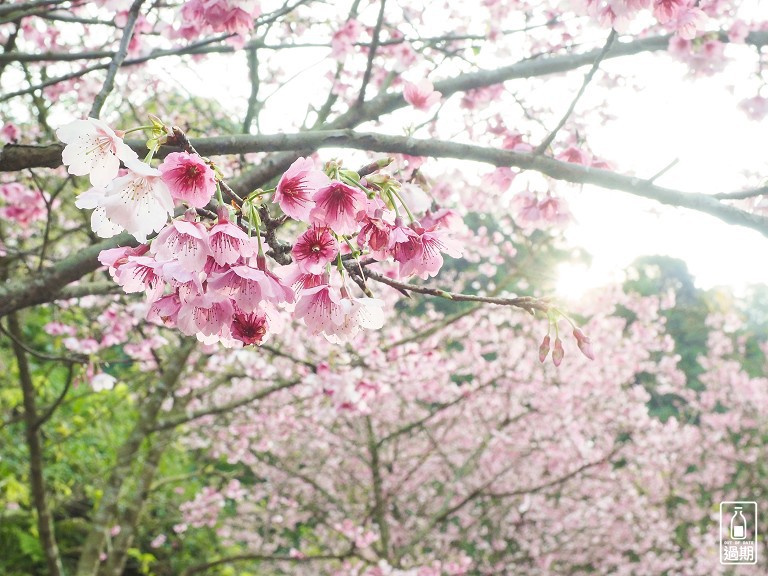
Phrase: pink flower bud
(558, 352)
(544, 349)
(584, 343)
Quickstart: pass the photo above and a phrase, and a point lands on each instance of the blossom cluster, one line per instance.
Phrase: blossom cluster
(210, 277)
(229, 16)
(684, 17)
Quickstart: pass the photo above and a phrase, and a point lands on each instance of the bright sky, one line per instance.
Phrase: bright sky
(698, 123)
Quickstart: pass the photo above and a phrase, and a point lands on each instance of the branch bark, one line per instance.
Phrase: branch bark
(49, 284)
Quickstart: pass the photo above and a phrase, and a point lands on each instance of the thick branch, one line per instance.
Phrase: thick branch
(575, 173)
(48, 284)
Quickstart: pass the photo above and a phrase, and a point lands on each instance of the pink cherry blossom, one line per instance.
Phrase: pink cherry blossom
(294, 276)
(544, 348)
(184, 240)
(93, 148)
(248, 287)
(165, 310)
(575, 155)
(584, 343)
(342, 42)
(421, 95)
(188, 282)
(688, 21)
(188, 178)
(23, 205)
(231, 16)
(116, 257)
(337, 206)
(756, 107)
(314, 249)
(375, 234)
(141, 274)
(738, 32)
(249, 328)
(444, 218)
(558, 352)
(500, 179)
(10, 132)
(320, 309)
(207, 314)
(666, 10)
(422, 254)
(227, 242)
(296, 187)
(403, 242)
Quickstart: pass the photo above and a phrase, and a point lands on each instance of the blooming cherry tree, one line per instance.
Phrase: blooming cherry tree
(278, 287)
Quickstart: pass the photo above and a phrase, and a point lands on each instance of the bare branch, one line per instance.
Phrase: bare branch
(117, 60)
(587, 79)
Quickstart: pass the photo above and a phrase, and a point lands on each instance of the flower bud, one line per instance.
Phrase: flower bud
(544, 349)
(584, 343)
(558, 352)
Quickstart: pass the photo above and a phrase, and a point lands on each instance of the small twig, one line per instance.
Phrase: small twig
(527, 303)
(587, 79)
(117, 61)
(663, 171)
(371, 54)
(75, 359)
(53, 407)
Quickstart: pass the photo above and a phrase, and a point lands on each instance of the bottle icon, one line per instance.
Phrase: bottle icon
(738, 525)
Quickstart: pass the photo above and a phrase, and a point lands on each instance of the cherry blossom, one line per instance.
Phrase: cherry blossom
(422, 253)
(337, 206)
(421, 95)
(138, 203)
(688, 21)
(249, 328)
(314, 249)
(209, 314)
(93, 148)
(248, 287)
(188, 178)
(185, 240)
(22, 205)
(227, 242)
(320, 308)
(297, 186)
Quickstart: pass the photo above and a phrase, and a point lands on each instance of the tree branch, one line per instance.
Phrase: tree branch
(263, 558)
(117, 60)
(48, 284)
(587, 79)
